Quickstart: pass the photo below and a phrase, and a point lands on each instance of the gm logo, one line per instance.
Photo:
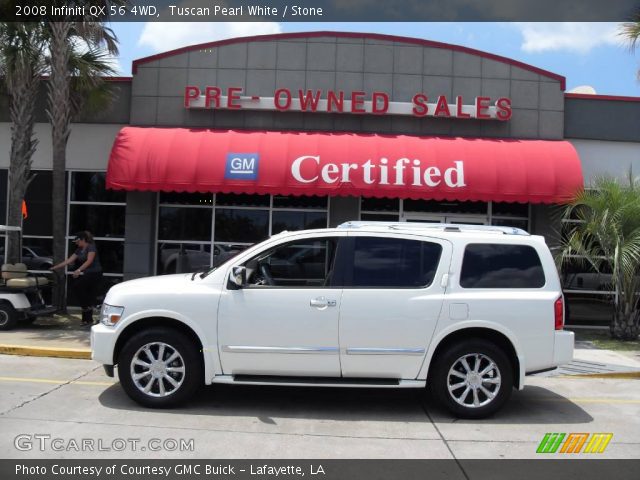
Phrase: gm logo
(242, 166)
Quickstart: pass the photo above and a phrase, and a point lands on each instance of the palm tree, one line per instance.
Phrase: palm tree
(606, 233)
(631, 32)
(86, 71)
(22, 64)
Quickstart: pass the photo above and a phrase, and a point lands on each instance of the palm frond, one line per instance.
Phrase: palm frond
(631, 31)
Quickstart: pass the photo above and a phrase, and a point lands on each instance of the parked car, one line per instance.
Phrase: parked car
(35, 258)
(183, 258)
(466, 311)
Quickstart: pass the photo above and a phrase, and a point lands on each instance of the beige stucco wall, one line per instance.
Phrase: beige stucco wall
(88, 148)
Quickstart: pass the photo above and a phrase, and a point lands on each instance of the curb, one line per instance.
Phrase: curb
(76, 353)
(620, 375)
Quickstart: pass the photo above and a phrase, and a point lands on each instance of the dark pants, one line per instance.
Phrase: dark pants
(86, 287)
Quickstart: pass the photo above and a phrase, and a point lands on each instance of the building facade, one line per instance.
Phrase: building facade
(451, 134)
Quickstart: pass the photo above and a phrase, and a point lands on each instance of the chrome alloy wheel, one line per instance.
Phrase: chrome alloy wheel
(4, 318)
(474, 380)
(157, 369)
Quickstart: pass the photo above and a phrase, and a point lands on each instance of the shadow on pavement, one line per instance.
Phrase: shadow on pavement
(534, 405)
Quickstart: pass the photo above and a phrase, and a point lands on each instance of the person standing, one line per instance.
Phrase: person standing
(87, 274)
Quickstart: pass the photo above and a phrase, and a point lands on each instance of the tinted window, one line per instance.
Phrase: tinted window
(175, 223)
(297, 220)
(394, 262)
(304, 263)
(91, 187)
(239, 225)
(101, 220)
(501, 266)
(38, 200)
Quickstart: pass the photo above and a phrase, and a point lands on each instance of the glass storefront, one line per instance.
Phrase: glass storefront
(481, 213)
(197, 231)
(90, 207)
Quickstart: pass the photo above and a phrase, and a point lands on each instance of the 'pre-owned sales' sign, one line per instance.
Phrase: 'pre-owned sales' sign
(287, 100)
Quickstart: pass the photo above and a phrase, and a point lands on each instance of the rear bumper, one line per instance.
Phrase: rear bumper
(563, 347)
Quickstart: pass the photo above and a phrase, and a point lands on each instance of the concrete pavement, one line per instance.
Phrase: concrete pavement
(72, 400)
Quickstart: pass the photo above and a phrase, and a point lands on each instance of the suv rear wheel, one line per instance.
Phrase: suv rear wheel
(472, 379)
(160, 367)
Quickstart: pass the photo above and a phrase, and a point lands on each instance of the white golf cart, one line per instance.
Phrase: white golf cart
(20, 292)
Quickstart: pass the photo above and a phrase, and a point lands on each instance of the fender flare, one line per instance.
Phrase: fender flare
(481, 324)
(209, 350)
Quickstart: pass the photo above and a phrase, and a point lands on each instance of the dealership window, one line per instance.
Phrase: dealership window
(505, 214)
(379, 209)
(199, 230)
(89, 207)
(4, 195)
(92, 207)
(588, 291)
(489, 213)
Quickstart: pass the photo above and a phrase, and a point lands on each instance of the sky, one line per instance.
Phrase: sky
(592, 54)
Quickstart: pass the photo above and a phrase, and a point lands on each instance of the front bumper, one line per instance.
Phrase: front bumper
(563, 347)
(103, 343)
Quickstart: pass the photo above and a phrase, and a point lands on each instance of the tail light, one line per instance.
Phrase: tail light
(558, 308)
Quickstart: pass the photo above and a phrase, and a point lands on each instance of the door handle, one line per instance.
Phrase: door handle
(322, 302)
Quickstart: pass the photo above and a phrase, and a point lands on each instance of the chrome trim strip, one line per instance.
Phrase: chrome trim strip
(385, 351)
(249, 349)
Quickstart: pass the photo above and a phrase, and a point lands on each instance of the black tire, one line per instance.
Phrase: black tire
(190, 360)
(475, 349)
(8, 316)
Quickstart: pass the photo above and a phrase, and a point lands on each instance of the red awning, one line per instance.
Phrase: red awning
(298, 163)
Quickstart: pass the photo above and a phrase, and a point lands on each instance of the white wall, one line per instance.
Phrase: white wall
(602, 158)
(88, 148)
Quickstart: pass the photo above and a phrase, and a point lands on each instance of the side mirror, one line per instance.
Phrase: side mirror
(238, 277)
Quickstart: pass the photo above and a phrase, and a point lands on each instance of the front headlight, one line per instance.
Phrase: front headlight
(110, 315)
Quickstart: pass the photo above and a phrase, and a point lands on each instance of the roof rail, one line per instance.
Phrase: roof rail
(444, 227)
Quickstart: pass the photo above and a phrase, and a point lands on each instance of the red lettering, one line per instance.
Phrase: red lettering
(335, 101)
(482, 104)
(212, 93)
(190, 93)
(278, 95)
(376, 108)
(309, 98)
(420, 107)
(357, 102)
(442, 107)
(503, 109)
(232, 98)
(459, 104)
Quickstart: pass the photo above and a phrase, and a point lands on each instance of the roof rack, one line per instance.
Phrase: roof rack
(444, 227)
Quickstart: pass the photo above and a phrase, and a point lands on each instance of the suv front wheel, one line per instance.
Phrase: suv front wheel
(472, 379)
(160, 367)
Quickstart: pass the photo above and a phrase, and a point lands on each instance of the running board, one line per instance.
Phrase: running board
(318, 381)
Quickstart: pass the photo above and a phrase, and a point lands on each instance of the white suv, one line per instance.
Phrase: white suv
(467, 311)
